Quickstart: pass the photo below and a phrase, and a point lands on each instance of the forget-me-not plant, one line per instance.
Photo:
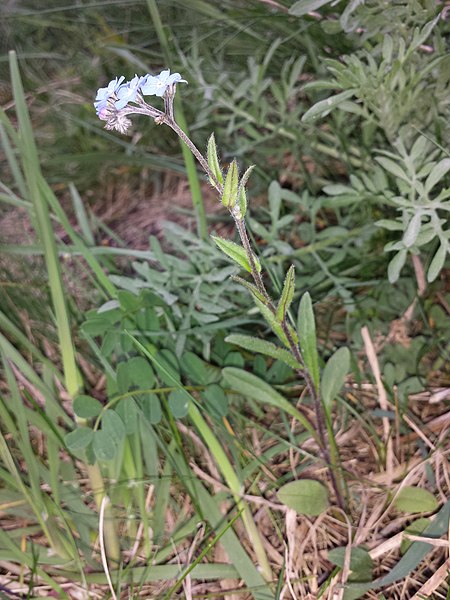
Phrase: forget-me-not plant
(119, 100)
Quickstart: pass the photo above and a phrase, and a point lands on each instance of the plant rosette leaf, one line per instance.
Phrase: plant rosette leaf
(415, 500)
(306, 497)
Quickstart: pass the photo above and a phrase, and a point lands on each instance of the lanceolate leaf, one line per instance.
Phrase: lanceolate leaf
(263, 347)
(213, 161)
(323, 107)
(250, 385)
(303, 7)
(236, 253)
(287, 294)
(272, 321)
(306, 328)
(438, 261)
(230, 188)
(250, 286)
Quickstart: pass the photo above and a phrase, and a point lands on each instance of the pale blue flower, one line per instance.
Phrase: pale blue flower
(104, 94)
(157, 86)
(128, 92)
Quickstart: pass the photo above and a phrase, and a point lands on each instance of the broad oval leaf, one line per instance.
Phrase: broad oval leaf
(86, 407)
(361, 563)
(216, 399)
(103, 445)
(415, 500)
(113, 426)
(179, 403)
(141, 373)
(151, 408)
(79, 439)
(306, 496)
(128, 412)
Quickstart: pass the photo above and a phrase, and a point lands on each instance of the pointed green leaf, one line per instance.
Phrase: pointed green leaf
(272, 321)
(287, 294)
(246, 176)
(392, 167)
(303, 7)
(437, 173)
(305, 496)
(412, 231)
(213, 160)
(251, 386)
(243, 202)
(323, 107)
(263, 347)
(250, 286)
(333, 376)
(438, 261)
(396, 265)
(236, 253)
(306, 327)
(230, 188)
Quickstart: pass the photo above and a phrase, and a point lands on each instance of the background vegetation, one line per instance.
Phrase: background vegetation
(145, 453)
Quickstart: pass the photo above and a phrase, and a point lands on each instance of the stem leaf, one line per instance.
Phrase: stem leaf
(236, 253)
(213, 160)
(287, 294)
(230, 188)
(263, 347)
(306, 328)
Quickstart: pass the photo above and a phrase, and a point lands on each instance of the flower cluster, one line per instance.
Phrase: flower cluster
(112, 102)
